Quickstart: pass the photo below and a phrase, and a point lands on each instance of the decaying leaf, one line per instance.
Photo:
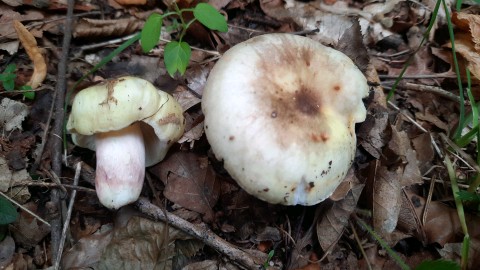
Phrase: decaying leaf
(453, 252)
(30, 44)
(27, 230)
(371, 134)
(189, 181)
(400, 145)
(106, 28)
(87, 251)
(141, 244)
(408, 222)
(441, 222)
(386, 200)
(330, 227)
(12, 114)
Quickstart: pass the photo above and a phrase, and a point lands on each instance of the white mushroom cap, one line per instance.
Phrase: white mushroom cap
(280, 111)
(135, 123)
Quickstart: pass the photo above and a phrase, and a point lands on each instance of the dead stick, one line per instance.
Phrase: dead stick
(208, 237)
(57, 130)
(67, 220)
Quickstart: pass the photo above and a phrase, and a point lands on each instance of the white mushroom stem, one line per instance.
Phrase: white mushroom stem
(120, 166)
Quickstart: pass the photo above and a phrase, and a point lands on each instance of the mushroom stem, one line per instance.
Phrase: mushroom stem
(120, 166)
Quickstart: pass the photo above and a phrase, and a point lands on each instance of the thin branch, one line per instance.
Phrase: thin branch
(69, 215)
(208, 237)
(57, 130)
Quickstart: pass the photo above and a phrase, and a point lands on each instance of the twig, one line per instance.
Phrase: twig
(25, 209)
(421, 76)
(467, 158)
(202, 233)
(57, 130)
(430, 89)
(107, 43)
(52, 185)
(69, 214)
(88, 173)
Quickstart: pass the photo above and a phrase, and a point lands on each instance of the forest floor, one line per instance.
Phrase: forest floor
(398, 206)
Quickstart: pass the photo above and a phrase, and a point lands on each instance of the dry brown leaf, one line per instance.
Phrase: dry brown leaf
(330, 227)
(371, 134)
(189, 182)
(142, 244)
(87, 28)
(27, 230)
(453, 252)
(87, 251)
(351, 44)
(403, 152)
(8, 15)
(30, 44)
(441, 223)
(424, 149)
(387, 200)
(468, 23)
(408, 221)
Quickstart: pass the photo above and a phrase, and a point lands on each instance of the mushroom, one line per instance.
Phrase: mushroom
(131, 125)
(280, 112)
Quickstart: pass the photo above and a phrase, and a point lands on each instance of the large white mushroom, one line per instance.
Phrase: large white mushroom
(280, 112)
(130, 124)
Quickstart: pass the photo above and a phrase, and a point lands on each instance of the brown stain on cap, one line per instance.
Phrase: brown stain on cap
(287, 93)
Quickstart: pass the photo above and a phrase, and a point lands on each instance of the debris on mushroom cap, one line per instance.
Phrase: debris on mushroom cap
(280, 111)
(131, 125)
(116, 104)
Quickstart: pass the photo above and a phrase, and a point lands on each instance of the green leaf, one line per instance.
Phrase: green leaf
(468, 196)
(210, 17)
(28, 95)
(8, 213)
(10, 68)
(176, 57)
(9, 85)
(151, 32)
(438, 265)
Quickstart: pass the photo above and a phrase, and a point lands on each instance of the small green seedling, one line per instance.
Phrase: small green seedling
(177, 53)
(266, 264)
(8, 77)
(8, 81)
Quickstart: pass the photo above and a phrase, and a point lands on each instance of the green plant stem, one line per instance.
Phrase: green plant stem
(461, 123)
(460, 212)
(382, 243)
(474, 110)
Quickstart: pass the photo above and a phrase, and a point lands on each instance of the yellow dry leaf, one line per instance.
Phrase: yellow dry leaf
(30, 44)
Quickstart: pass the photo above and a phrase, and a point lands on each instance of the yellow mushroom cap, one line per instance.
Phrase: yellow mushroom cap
(118, 103)
(280, 111)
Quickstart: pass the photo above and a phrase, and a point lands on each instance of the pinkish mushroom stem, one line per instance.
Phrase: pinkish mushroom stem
(120, 166)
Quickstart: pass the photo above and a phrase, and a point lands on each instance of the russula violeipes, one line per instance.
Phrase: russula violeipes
(280, 112)
(130, 124)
